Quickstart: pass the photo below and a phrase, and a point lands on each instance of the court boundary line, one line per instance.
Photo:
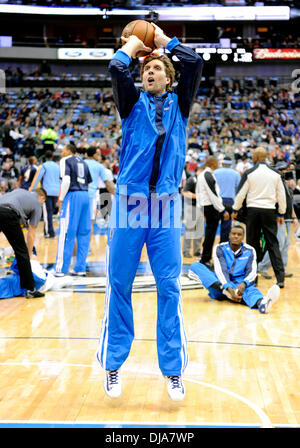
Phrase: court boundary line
(243, 344)
(122, 425)
(265, 421)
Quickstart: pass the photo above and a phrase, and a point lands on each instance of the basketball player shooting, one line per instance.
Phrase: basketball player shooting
(154, 122)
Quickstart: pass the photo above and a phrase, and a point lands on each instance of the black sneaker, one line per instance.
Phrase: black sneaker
(34, 294)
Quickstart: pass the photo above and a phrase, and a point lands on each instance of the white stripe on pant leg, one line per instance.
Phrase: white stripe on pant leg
(62, 238)
(184, 355)
(60, 244)
(103, 341)
(45, 215)
(184, 351)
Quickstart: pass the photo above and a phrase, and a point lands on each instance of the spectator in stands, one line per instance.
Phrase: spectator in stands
(243, 165)
(49, 139)
(11, 135)
(9, 174)
(45, 68)
(104, 149)
(7, 154)
(28, 144)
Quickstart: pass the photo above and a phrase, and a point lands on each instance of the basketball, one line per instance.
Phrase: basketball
(143, 30)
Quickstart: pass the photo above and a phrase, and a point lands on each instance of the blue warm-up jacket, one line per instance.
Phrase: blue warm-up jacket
(154, 128)
(235, 267)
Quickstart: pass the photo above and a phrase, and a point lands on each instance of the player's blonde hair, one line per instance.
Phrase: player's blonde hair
(169, 68)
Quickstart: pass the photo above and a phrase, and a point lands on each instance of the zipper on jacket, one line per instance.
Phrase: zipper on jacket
(159, 102)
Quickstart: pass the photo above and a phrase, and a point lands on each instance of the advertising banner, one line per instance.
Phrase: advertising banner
(276, 53)
(77, 54)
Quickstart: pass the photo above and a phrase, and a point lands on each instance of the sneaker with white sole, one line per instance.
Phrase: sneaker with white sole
(192, 276)
(77, 274)
(175, 388)
(112, 383)
(268, 301)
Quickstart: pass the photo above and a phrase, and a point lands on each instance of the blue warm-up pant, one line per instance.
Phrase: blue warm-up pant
(208, 278)
(132, 226)
(74, 224)
(10, 285)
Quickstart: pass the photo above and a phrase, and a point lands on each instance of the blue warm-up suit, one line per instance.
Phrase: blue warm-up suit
(231, 269)
(146, 210)
(75, 216)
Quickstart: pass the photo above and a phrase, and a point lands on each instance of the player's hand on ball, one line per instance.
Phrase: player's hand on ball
(160, 39)
(136, 44)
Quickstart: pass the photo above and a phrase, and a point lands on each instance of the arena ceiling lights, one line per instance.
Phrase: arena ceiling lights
(188, 13)
(225, 54)
(49, 10)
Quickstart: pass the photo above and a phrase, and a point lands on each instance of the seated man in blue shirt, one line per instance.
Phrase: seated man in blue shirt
(235, 271)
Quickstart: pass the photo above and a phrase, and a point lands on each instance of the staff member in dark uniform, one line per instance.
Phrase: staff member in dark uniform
(262, 187)
(16, 208)
(283, 231)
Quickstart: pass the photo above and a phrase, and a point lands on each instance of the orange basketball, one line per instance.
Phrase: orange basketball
(143, 30)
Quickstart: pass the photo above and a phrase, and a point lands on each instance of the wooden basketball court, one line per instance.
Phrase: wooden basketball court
(244, 367)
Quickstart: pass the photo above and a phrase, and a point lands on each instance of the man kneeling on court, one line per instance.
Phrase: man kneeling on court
(235, 271)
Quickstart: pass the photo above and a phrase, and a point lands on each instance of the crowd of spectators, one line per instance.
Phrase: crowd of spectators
(228, 118)
(86, 119)
(231, 118)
